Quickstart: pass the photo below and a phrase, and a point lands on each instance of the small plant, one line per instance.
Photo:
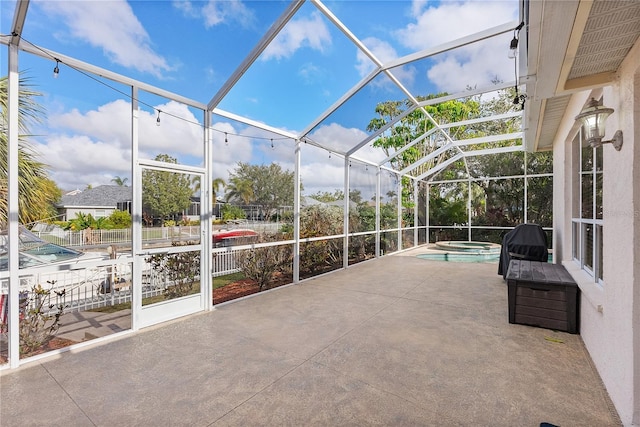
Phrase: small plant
(39, 319)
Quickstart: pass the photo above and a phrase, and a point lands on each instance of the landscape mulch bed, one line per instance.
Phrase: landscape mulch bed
(244, 287)
(53, 344)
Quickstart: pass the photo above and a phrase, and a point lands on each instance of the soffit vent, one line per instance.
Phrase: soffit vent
(611, 30)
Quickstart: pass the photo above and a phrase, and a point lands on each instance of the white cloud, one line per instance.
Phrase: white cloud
(226, 154)
(179, 133)
(380, 49)
(325, 173)
(93, 147)
(452, 20)
(472, 65)
(339, 138)
(322, 176)
(113, 27)
(215, 12)
(477, 66)
(77, 160)
(311, 32)
(311, 73)
(384, 52)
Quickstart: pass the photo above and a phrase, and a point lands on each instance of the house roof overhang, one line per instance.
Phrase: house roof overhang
(571, 46)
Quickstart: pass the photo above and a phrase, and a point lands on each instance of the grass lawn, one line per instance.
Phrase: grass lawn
(219, 282)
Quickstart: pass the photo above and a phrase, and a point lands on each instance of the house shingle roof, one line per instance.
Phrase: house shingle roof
(103, 196)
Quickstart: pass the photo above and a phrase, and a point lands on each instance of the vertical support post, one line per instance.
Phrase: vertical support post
(469, 196)
(426, 206)
(206, 214)
(296, 214)
(378, 198)
(526, 190)
(13, 95)
(416, 198)
(136, 215)
(399, 209)
(345, 227)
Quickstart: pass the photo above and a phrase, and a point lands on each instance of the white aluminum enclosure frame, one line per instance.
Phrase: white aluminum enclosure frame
(16, 46)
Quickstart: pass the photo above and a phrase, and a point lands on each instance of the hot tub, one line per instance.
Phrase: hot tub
(469, 247)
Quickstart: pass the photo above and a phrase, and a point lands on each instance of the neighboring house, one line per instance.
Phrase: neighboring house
(103, 200)
(100, 202)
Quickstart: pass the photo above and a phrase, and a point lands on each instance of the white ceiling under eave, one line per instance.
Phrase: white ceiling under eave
(571, 46)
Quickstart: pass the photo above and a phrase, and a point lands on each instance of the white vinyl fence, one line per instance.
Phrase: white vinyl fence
(224, 262)
(89, 237)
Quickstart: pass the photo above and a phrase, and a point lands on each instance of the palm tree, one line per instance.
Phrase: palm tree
(240, 189)
(216, 185)
(122, 182)
(36, 192)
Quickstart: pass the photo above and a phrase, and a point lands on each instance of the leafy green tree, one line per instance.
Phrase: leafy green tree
(494, 202)
(271, 186)
(416, 124)
(36, 192)
(164, 193)
(327, 197)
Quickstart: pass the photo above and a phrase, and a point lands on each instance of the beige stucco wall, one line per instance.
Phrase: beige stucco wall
(610, 314)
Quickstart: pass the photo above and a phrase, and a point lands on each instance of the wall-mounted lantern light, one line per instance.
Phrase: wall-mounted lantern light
(593, 118)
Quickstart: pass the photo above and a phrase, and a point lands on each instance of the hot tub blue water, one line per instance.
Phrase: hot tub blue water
(471, 247)
(461, 257)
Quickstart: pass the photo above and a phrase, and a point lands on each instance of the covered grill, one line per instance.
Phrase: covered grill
(525, 242)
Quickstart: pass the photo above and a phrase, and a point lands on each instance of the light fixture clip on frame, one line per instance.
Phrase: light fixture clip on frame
(593, 118)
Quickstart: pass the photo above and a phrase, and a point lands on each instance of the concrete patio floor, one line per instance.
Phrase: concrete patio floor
(395, 341)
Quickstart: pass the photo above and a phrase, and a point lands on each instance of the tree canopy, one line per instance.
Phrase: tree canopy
(266, 186)
(164, 193)
(497, 202)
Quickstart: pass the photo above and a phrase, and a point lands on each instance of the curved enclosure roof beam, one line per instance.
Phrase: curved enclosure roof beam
(442, 127)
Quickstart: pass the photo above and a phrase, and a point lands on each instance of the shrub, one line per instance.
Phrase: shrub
(180, 270)
(232, 212)
(316, 221)
(37, 325)
(120, 219)
(260, 264)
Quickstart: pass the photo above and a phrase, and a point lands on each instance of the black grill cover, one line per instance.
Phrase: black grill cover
(526, 241)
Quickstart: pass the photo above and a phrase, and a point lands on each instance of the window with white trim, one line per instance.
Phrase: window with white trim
(588, 222)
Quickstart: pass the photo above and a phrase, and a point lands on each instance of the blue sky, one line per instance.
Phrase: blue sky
(192, 47)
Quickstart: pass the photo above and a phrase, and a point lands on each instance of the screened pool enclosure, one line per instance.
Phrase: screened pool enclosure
(330, 132)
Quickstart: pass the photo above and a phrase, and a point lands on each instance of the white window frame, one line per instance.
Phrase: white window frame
(579, 225)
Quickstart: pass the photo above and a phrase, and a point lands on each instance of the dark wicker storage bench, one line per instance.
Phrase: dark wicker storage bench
(542, 294)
